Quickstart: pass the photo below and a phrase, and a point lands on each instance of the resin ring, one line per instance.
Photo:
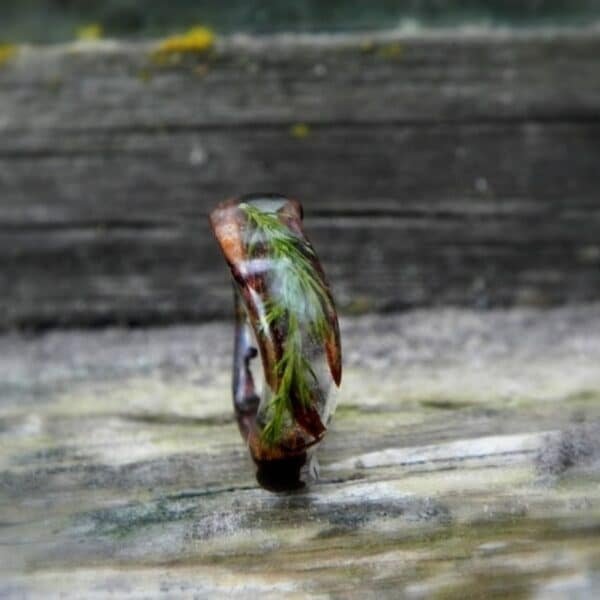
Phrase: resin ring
(285, 314)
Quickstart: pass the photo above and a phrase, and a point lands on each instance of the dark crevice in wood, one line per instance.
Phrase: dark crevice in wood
(78, 153)
(114, 225)
(188, 494)
(170, 420)
(36, 324)
(422, 215)
(318, 217)
(581, 117)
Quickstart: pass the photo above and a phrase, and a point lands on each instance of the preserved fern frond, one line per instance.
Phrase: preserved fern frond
(297, 302)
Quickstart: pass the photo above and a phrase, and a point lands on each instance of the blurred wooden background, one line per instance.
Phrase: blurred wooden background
(48, 21)
(447, 168)
(436, 168)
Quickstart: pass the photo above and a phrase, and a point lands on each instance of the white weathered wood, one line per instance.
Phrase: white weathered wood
(463, 461)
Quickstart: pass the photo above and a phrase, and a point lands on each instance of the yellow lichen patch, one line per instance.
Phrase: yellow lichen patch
(392, 51)
(7, 51)
(367, 46)
(300, 131)
(90, 32)
(197, 40)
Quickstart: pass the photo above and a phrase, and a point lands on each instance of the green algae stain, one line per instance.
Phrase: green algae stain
(390, 51)
(393, 51)
(300, 131)
(367, 46)
(7, 53)
(446, 403)
(121, 522)
(145, 75)
(584, 397)
(55, 84)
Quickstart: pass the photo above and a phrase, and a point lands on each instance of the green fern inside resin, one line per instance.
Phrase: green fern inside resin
(299, 299)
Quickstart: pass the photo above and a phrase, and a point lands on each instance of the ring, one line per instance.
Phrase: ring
(285, 314)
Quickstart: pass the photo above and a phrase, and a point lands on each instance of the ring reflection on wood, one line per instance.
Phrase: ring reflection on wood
(285, 313)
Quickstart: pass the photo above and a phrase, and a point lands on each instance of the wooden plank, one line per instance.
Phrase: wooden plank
(89, 277)
(378, 77)
(525, 170)
(440, 168)
(101, 235)
(458, 439)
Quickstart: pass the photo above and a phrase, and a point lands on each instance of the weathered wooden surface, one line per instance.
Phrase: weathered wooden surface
(464, 461)
(435, 168)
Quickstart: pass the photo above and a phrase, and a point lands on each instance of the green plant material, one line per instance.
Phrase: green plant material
(300, 299)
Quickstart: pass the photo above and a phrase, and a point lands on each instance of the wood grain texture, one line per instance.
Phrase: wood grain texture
(441, 168)
(462, 462)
